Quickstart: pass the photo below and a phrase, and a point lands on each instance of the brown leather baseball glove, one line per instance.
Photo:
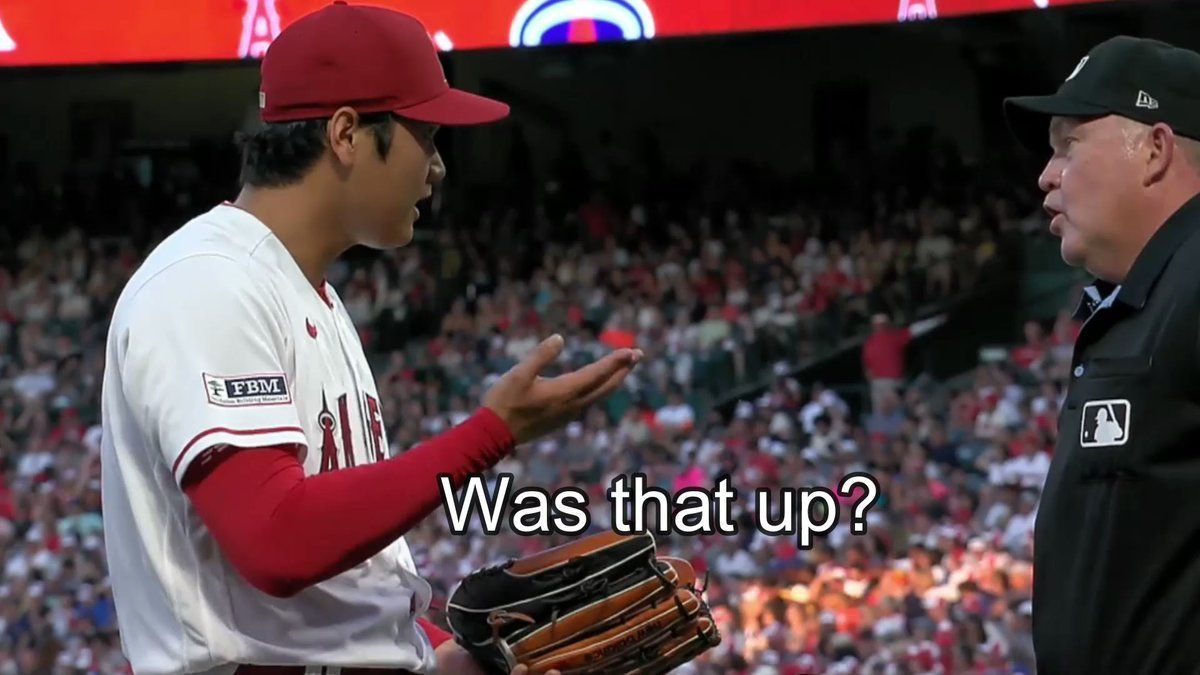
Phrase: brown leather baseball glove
(603, 604)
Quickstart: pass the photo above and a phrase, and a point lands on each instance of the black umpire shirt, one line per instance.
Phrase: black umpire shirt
(1117, 537)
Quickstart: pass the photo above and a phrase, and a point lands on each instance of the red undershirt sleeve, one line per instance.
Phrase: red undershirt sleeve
(264, 512)
(436, 635)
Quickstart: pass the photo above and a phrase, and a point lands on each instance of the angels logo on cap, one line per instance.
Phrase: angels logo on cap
(545, 22)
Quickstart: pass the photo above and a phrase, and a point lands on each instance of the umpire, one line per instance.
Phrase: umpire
(1117, 540)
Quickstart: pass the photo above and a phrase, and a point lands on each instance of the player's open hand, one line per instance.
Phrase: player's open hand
(533, 405)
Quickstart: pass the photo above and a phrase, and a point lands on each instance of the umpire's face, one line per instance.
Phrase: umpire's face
(1092, 185)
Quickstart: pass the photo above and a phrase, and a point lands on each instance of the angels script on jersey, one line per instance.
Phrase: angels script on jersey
(331, 428)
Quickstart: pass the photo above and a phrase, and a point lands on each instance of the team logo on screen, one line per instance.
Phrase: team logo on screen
(915, 10)
(7, 44)
(552, 22)
(1104, 423)
(260, 26)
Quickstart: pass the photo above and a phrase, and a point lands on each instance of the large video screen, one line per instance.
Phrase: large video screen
(62, 32)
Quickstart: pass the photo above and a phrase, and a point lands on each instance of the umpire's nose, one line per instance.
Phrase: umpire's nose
(1051, 175)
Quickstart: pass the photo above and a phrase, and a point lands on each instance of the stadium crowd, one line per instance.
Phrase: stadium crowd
(720, 300)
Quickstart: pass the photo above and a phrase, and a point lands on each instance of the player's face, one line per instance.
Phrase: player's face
(389, 188)
(1088, 183)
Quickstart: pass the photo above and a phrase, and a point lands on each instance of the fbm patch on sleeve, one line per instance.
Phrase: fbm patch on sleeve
(243, 390)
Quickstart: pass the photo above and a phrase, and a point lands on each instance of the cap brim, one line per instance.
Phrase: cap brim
(456, 108)
(1028, 117)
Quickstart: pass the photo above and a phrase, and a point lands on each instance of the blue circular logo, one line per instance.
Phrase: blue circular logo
(552, 22)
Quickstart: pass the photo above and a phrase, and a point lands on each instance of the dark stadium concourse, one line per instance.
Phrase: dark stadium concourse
(825, 240)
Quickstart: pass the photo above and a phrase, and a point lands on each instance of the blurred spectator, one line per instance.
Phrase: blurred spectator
(883, 354)
(675, 417)
(1031, 353)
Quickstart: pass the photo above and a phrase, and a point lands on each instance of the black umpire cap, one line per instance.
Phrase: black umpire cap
(1144, 80)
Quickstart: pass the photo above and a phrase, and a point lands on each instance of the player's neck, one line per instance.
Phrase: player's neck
(301, 226)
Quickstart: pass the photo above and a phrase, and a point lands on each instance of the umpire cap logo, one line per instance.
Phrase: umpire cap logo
(1078, 67)
(1105, 423)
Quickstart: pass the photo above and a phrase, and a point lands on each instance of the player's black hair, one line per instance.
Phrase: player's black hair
(279, 154)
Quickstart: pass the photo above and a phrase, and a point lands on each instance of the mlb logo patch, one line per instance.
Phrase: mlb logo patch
(243, 390)
(1104, 423)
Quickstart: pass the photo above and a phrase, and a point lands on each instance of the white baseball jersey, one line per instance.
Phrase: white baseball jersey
(218, 339)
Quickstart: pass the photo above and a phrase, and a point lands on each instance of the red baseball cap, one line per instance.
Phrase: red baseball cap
(371, 59)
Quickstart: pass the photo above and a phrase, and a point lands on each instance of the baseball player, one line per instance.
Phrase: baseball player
(254, 521)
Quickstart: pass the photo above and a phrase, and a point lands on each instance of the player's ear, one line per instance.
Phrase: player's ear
(341, 135)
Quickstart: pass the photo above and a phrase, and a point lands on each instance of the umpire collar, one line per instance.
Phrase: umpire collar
(1149, 264)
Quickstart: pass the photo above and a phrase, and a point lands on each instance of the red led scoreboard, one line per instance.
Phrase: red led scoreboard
(59, 32)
